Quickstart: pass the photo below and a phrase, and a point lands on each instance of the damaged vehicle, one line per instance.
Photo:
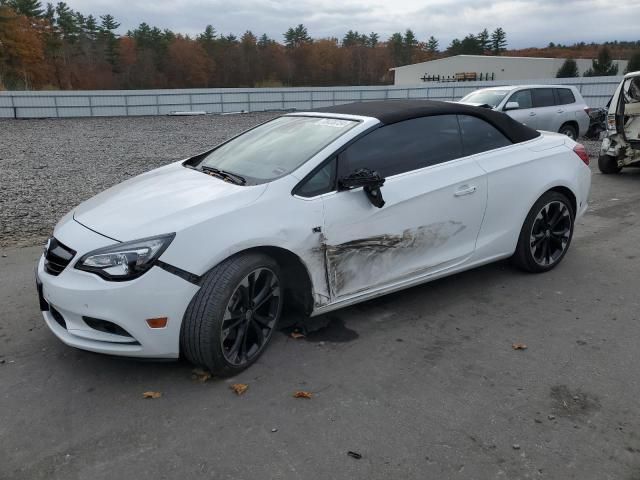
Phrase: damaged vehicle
(310, 212)
(621, 145)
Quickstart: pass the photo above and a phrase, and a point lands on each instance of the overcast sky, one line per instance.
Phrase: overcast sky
(527, 22)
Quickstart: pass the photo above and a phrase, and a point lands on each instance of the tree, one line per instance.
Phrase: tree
(634, 62)
(28, 8)
(108, 38)
(498, 41)
(484, 40)
(569, 69)
(433, 45)
(67, 22)
(410, 43)
(602, 66)
(395, 44)
(372, 40)
(469, 45)
(297, 37)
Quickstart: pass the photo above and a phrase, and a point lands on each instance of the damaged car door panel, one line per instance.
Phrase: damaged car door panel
(312, 211)
(621, 146)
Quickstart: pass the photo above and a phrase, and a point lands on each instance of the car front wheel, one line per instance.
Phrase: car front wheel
(230, 321)
(546, 233)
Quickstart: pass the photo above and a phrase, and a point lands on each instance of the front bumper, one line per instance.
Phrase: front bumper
(73, 296)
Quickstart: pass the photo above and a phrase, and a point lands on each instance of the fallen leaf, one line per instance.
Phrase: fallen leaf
(297, 335)
(200, 375)
(151, 395)
(302, 394)
(239, 388)
(519, 346)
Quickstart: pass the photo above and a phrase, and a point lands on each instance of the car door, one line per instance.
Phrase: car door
(434, 205)
(565, 106)
(525, 113)
(544, 104)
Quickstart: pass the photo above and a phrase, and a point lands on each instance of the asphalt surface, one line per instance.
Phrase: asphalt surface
(422, 384)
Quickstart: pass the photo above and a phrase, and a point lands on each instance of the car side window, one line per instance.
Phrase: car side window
(523, 97)
(543, 97)
(565, 96)
(480, 136)
(404, 146)
(322, 181)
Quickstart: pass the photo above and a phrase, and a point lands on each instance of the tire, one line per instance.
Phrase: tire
(223, 315)
(569, 130)
(608, 164)
(539, 232)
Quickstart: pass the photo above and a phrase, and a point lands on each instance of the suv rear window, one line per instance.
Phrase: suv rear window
(565, 96)
(543, 97)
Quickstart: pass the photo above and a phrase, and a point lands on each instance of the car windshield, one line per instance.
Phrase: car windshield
(486, 97)
(276, 148)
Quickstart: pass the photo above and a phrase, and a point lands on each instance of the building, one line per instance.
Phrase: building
(482, 67)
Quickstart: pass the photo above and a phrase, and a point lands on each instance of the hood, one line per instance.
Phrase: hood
(476, 104)
(164, 200)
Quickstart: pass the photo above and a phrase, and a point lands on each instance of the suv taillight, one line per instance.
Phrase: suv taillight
(582, 153)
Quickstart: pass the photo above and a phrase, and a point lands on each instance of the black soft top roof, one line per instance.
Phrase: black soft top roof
(393, 111)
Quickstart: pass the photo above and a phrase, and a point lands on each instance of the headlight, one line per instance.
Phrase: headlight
(125, 261)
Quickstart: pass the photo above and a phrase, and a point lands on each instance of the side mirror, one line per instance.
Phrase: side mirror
(369, 180)
(511, 106)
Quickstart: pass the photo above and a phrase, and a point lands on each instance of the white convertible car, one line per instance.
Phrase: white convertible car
(311, 211)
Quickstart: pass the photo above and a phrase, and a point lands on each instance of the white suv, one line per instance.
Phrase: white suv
(554, 108)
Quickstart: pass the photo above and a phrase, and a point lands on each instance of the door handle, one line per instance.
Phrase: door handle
(465, 190)
(532, 114)
(560, 111)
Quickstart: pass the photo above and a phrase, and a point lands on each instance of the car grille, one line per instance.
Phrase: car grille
(57, 256)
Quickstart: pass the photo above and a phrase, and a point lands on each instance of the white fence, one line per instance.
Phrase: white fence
(43, 104)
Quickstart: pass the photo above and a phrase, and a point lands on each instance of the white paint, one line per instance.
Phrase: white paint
(214, 220)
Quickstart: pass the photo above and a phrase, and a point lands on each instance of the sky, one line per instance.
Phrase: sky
(528, 23)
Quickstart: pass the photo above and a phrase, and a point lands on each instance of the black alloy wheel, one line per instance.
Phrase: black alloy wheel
(250, 317)
(551, 233)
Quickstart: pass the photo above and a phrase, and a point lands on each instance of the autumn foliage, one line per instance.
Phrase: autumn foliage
(55, 47)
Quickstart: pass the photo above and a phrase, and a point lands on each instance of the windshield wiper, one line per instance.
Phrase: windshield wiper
(224, 175)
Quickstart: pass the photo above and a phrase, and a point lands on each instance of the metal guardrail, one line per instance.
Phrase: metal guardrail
(43, 104)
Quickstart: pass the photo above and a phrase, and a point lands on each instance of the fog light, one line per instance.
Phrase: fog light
(159, 322)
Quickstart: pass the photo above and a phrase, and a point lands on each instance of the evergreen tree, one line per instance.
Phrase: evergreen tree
(110, 43)
(296, 37)
(569, 69)
(28, 8)
(373, 39)
(67, 22)
(410, 44)
(602, 66)
(498, 41)
(484, 40)
(396, 49)
(433, 45)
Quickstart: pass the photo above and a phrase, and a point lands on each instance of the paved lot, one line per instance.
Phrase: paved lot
(423, 383)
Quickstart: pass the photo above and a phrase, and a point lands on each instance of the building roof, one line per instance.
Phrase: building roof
(393, 111)
(490, 58)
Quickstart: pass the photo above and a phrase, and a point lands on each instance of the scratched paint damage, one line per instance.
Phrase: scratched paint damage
(373, 260)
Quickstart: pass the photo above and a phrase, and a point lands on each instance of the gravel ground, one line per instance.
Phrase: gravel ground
(50, 166)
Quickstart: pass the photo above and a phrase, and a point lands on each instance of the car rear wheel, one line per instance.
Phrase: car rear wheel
(230, 321)
(608, 164)
(546, 234)
(569, 130)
